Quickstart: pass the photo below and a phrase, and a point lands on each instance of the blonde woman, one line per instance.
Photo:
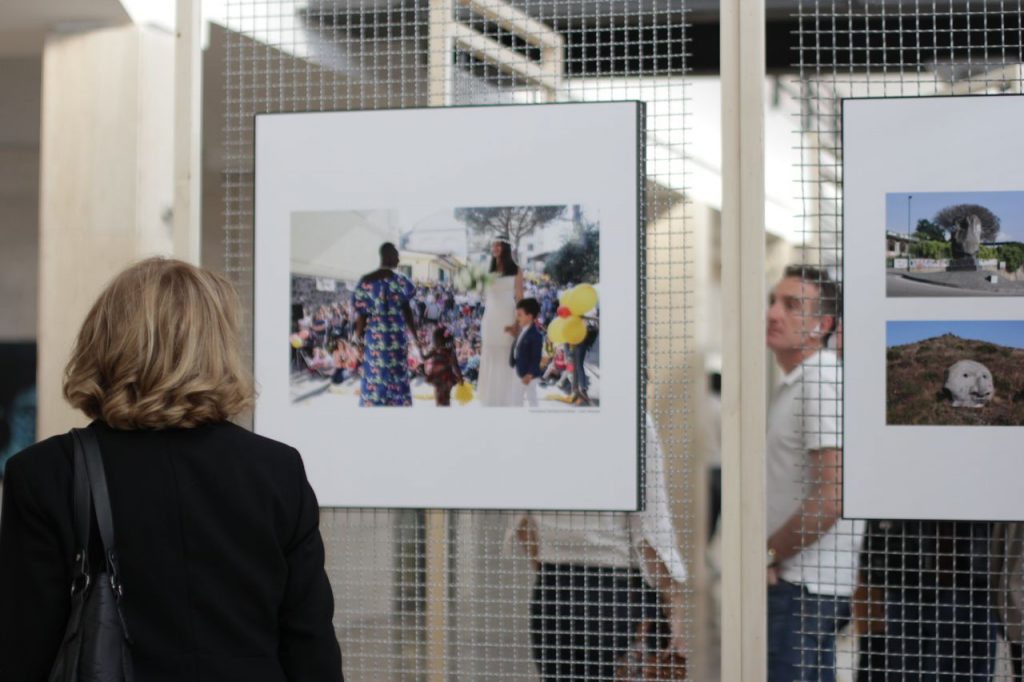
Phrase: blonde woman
(218, 537)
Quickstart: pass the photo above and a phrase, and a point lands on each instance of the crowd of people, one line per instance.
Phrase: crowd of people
(323, 338)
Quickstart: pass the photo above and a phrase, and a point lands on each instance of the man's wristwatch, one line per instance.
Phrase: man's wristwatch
(770, 557)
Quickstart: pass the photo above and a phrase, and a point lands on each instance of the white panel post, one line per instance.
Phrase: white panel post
(441, 75)
(744, 592)
(440, 52)
(187, 130)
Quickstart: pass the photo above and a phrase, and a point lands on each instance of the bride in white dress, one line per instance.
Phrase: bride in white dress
(498, 385)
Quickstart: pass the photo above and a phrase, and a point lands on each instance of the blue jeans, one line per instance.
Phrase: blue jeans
(932, 635)
(579, 357)
(802, 631)
(584, 618)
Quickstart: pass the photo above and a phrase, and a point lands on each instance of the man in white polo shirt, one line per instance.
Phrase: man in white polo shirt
(812, 553)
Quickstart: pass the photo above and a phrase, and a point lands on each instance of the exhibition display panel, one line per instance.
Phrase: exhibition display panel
(426, 405)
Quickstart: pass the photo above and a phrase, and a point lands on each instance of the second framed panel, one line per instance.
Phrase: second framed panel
(933, 314)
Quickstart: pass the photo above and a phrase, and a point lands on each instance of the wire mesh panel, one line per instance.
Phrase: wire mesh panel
(909, 599)
(427, 594)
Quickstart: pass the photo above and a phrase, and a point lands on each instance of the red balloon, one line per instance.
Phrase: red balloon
(563, 311)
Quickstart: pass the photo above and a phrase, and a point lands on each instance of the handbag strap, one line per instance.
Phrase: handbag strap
(101, 503)
(82, 510)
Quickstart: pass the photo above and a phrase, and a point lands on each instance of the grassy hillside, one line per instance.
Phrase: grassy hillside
(917, 372)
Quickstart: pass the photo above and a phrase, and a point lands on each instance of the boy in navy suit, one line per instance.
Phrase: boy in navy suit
(526, 351)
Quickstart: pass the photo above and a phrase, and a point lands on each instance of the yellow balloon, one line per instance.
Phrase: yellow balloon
(464, 393)
(580, 300)
(296, 341)
(586, 296)
(556, 330)
(568, 299)
(575, 330)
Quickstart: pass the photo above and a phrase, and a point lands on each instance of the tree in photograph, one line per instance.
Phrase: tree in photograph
(512, 223)
(579, 259)
(929, 231)
(931, 249)
(1012, 255)
(988, 253)
(951, 217)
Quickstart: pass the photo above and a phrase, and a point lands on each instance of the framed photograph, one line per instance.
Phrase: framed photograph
(447, 303)
(933, 271)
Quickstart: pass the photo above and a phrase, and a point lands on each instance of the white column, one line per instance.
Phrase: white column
(188, 80)
(440, 47)
(744, 392)
(105, 182)
(441, 84)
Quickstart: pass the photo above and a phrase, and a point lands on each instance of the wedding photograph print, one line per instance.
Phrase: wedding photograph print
(448, 300)
(465, 307)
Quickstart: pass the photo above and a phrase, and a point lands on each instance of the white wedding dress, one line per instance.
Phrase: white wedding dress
(498, 385)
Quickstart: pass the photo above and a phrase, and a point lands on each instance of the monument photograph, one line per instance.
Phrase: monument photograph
(954, 244)
(493, 306)
(929, 313)
(955, 373)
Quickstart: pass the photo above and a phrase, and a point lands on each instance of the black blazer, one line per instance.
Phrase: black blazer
(221, 556)
(526, 353)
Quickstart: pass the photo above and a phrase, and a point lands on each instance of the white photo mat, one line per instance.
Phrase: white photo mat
(931, 144)
(491, 458)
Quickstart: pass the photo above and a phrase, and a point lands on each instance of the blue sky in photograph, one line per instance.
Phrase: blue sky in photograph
(1001, 332)
(1009, 206)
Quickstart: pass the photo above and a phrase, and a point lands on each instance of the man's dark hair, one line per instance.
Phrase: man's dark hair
(530, 306)
(388, 253)
(830, 300)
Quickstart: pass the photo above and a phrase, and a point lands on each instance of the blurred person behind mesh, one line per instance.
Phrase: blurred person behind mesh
(927, 610)
(713, 449)
(1007, 575)
(812, 553)
(600, 577)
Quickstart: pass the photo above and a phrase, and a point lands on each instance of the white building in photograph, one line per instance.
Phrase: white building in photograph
(423, 267)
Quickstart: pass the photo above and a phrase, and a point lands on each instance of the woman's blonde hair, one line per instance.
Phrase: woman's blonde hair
(160, 349)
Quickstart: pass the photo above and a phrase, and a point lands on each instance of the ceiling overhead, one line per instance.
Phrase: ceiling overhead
(24, 23)
(661, 37)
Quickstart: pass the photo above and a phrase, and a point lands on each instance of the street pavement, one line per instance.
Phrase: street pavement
(897, 285)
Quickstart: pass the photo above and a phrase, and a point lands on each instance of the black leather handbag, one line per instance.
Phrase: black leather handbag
(96, 645)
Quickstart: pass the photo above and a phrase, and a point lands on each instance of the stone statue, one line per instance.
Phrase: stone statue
(966, 242)
(968, 235)
(969, 383)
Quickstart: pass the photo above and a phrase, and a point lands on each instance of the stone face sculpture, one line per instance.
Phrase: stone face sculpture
(969, 383)
(968, 235)
(966, 242)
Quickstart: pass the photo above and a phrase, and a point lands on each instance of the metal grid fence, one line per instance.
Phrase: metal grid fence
(431, 595)
(924, 594)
